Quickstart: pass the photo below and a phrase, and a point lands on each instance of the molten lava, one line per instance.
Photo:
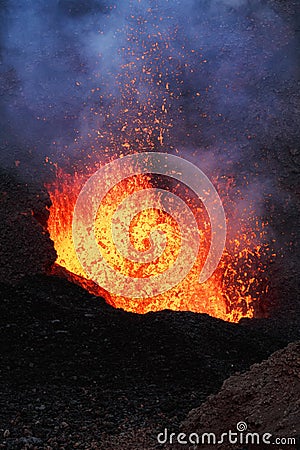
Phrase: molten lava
(234, 291)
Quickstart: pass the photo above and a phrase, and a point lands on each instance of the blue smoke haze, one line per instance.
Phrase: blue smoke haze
(65, 65)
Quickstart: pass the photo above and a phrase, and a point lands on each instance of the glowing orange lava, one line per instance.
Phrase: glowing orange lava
(234, 291)
(138, 112)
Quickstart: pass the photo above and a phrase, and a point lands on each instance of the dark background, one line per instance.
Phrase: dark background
(74, 369)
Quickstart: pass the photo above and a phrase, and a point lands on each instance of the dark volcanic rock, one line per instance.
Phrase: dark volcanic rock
(25, 245)
(258, 397)
(69, 358)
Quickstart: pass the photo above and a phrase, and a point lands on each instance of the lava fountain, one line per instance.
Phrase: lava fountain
(151, 93)
(235, 290)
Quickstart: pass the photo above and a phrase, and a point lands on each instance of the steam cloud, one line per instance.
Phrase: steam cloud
(64, 65)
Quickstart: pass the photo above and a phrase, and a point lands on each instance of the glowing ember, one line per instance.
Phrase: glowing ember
(137, 111)
(234, 291)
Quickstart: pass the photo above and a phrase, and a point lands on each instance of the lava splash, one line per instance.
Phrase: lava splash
(235, 290)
